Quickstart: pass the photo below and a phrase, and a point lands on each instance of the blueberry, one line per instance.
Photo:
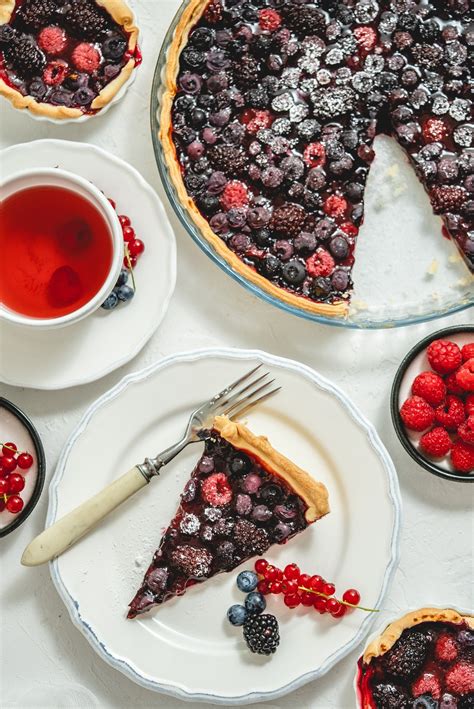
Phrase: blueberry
(84, 96)
(255, 602)
(281, 531)
(261, 513)
(190, 83)
(193, 58)
(321, 287)
(207, 464)
(61, 98)
(270, 266)
(240, 464)
(243, 506)
(198, 118)
(111, 71)
(305, 242)
(202, 37)
(339, 248)
(114, 47)
(110, 302)
(425, 702)
(283, 249)
(125, 293)
(340, 280)
(294, 272)
(448, 702)
(247, 581)
(271, 494)
(184, 103)
(37, 88)
(123, 278)
(466, 639)
(237, 615)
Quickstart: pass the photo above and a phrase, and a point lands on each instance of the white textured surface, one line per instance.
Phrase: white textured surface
(43, 657)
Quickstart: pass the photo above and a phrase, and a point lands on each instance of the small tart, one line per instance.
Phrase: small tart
(103, 82)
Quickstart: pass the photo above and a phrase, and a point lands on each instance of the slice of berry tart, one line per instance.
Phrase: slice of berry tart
(268, 116)
(242, 497)
(65, 58)
(424, 660)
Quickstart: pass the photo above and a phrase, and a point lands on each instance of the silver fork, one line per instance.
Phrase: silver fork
(251, 389)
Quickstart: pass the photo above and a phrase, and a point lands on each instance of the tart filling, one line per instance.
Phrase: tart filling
(425, 660)
(268, 117)
(242, 497)
(64, 59)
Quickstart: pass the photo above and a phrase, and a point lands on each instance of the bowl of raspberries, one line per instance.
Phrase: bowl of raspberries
(432, 403)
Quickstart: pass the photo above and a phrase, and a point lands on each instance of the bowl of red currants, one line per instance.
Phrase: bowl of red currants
(432, 403)
(22, 467)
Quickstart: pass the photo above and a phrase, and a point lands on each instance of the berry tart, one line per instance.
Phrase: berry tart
(63, 60)
(242, 497)
(424, 660)
(268, 116)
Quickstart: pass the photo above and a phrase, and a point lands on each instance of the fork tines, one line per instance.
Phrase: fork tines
(245, 393)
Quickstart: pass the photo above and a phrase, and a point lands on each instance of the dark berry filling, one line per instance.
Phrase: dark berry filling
(277, 107)
(232, 508)
(431, 666)
(62, 53)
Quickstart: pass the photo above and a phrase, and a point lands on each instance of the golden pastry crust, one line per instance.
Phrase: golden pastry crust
(391, 634)
(123, 16)
(312, 492)
(191, 15)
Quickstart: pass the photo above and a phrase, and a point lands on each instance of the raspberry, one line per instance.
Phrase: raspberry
(428, 683)
(269, 20)
(366, 38)
(321, 263)
(417, 414)
(467, 351)
(434, 130)
(447, 198)
(452, 385)
(430, 387)
(469, 404)
(465, 375)
(314, 154)
(451, 414)
(466, 430)
(446, 649)
(235, 195)
(216, 490)
(460, 678)
(55, 72)
(335, 206)
(256, 120)
(52, 40)
(436, 443)
(443, 356)
(462, 457)
(86, 57)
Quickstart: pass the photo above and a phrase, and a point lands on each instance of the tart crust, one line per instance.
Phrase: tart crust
(191, 15)
(312, 492)
(123, 16)
(391, 634)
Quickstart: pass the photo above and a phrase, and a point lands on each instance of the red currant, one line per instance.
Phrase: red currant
(352, 596)
(274, 587)
(292, 572)
(316, 583)
(16, 483)
(111, 201)
(2, 504)
(328, 589)
(289, 587)
(340, 612)
(307, 599)
(3, 486)
(14, 504)
(136, 247)
(124, 220)
(292, 600)
(8, 464)
(9, 449)
(261, 565)
(263, 587)
(25, 461)
(131, 261)
(304, 580)
(320, 604)
(332, 605)
(128, 233)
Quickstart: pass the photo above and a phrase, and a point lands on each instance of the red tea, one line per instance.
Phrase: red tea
(55, 251)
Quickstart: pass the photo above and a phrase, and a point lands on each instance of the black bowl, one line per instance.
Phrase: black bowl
(426, 463)
(41, 463)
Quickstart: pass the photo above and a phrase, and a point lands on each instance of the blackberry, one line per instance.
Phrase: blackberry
(407, 655)
(86, 20)
(7, 35)
(214, 12)
(447, 199)
(24, 56)
(250, 538)
(466, 702)
(387, 696)
(428, 55)
(247, 71)
(227, 158)
(258, 97)
(288, 219)
(303, 20)
(35, 14)
(261, 634)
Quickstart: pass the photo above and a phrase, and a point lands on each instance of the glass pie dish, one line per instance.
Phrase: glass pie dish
(404, 273)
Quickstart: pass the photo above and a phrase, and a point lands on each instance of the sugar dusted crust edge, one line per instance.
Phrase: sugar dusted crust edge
(123, 16)
(391, 634)
(312, 492)
(191, 15)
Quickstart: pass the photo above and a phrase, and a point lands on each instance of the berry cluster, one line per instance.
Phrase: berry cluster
(298, 589)
(134, 248)
(261, 631)
(11, 482)
(441, 406)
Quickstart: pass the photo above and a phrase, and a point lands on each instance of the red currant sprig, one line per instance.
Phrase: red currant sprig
(134, 247)
(310, 591)
(12, 483)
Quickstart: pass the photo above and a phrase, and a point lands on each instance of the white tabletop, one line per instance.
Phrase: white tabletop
(45, 661)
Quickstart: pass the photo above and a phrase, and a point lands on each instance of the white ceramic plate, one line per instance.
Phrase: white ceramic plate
(187, 648)
(90, 349)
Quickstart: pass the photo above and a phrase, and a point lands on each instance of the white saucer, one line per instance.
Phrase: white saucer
(94, 347)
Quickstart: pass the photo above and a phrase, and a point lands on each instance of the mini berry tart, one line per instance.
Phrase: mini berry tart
(424, 660)
(242, 497)
(268, 115)
(63, 60)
